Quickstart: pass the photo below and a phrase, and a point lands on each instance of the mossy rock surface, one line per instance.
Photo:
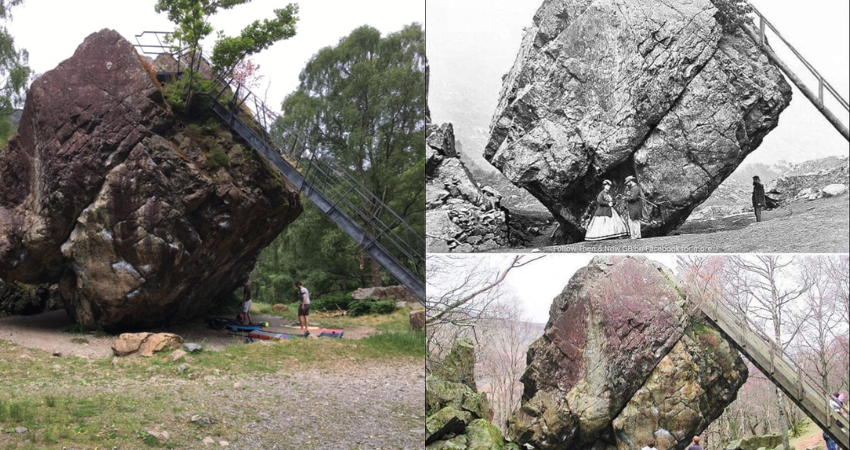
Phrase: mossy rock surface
(484, 436)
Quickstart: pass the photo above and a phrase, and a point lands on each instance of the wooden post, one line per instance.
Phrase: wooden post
(772, 364)
(743, 332)
(820, 92)
(761, 30)
(799, 383)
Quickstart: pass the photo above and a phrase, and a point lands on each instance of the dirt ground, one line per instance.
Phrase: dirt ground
(45, 332)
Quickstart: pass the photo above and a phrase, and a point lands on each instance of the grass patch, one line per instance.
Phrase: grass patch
(405, 343)
(80, 340)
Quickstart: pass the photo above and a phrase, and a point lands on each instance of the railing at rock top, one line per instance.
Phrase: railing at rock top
(384, 235)
(778, 366)
(817, 99)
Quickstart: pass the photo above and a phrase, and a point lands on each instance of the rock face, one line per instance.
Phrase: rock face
(107, 192)
(460, 216)
(620, 362)
(603, 89)
(457, 416)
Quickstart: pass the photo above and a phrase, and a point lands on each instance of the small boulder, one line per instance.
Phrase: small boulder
(417, 320)
(161, 436)
(159, 342)
(279, 308)
(833, 190)
(128, 343)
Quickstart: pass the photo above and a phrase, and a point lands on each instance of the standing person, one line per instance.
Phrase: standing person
(606, 223)
(634, 201)
(695, 444)
(246, 304)
(758, 197)
(650, 445)
(303, 308)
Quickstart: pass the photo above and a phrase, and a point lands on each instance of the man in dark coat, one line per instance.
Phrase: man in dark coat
(634, 202)
(758, 197)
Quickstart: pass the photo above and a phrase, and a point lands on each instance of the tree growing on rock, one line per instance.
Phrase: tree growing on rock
(192, 20)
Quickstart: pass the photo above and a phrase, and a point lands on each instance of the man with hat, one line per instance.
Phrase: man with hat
(758, 197)
(634, 202)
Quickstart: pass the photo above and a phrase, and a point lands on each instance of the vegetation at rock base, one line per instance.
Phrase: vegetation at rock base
(360, 104)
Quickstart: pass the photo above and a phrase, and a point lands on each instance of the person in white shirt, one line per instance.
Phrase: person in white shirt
(650, 445)
(303, 308)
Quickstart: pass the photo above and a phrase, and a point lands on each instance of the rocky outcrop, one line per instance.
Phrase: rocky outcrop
(143, 217)
(603, 89)
(767, 441)
(460, 216)
(620, 361)
(807, 180)
(397, 293)
(457, 416)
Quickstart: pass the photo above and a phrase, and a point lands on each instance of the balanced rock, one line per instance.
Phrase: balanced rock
(460, 216)
(107, 192)
(603, 89)
(620, 361)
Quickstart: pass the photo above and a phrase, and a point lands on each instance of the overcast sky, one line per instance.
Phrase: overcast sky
(52, 29)
(472, 43)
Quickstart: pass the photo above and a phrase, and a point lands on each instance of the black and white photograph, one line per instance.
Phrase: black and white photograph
(709, 126)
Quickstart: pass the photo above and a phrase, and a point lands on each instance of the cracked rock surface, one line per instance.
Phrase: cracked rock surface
(603, 89)
(460, 216)
(106, 192)
(620, 361)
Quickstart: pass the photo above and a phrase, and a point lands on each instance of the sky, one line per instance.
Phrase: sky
(51, 30)
(535, 285)
(471, 44)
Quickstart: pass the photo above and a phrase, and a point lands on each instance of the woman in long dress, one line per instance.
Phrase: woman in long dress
(606, 223)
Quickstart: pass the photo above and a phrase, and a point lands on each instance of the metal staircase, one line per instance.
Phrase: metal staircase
(377, 229)
(779, 368)
(817, 99)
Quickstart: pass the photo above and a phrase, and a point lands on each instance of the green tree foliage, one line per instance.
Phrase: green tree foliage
(362, 104)
(733, 13)
(192, 20)
(14, 73)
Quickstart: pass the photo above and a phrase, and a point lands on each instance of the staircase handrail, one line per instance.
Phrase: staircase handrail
(402, 237)
(721, 313)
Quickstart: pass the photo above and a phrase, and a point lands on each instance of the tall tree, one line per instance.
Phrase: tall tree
(14, 73)
(361, 104)
(760, 279)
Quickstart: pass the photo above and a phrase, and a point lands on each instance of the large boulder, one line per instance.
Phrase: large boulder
(107, 192)
(460, 216)
(620, 361)
(603, 89)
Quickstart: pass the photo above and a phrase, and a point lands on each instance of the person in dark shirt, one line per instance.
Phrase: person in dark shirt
(695, 444)
(634, 202)
(758, 197)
